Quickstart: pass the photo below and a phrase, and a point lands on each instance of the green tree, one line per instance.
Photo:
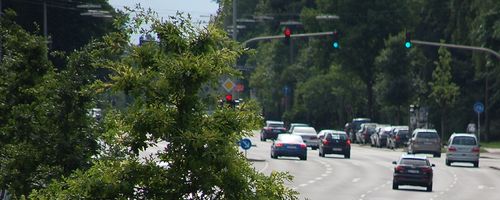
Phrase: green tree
(45, 132)
(164, 78)
(443, 90)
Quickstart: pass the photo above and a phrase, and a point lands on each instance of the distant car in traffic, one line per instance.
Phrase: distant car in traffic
(364, 133)
(413, 170)
(272, 130)
(334, 142)
(425, 141)
(398, 137)
(309, 136)
(293, 125)
(375, 137)
(463, 147)
(289, 145)
(354, 126)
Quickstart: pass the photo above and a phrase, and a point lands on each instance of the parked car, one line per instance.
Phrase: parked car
(413, 170)
(334, 142)
(463, 147)
(425, 141)
(398, 137)
(355, 125)
(293, 125)
(375, 137)
(272, 130)
(364, 133)
(289, 145)
(309, 135)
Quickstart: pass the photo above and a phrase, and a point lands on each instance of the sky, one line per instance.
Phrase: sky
(200, 10)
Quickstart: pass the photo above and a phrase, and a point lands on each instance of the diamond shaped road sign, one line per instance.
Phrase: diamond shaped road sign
(228, 85)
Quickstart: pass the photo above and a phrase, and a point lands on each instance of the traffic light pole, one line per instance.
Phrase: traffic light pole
(456, 46)
(263, 38)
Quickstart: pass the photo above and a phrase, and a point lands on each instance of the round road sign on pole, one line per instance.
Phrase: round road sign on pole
(478, 107)
(245, 143)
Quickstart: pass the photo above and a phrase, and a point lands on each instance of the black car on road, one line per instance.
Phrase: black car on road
(334, 142)
(272, 130)
(413, 170)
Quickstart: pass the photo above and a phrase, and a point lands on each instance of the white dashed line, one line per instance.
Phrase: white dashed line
(319, 178)
(324, 175)
(311, 181)
(355, 180)
(302, 185)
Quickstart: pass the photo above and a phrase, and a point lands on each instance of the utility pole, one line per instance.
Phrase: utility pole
(235, 30)
(45, 20)
(1, 16)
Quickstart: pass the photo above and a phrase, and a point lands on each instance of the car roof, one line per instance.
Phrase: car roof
(333, 131)
(299, 124)
(425, 130)
(274, 122)
(414, 156)
(463, 134)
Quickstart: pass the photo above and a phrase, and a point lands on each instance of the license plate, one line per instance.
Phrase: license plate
(412, 171)
(291, 147)
(427, 143)
(337, 149)
(276, 131)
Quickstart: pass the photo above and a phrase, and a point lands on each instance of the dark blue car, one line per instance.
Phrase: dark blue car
(289, 145)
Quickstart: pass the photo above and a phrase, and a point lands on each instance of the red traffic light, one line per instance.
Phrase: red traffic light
(229, 97)
(287, 32)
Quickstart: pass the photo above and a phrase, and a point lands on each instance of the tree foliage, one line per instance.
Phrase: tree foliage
(201, 160)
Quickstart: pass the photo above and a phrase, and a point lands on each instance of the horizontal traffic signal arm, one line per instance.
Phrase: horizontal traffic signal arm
(272, 37)
(456, 46)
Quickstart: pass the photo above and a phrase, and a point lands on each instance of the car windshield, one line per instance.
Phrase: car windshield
(464, 140)
(414, 162)
(403, 132)
(290, 139)
(337, 136)
(276, 125)
(429, 135)
(304, 130)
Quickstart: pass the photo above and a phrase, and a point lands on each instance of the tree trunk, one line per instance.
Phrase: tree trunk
(369, 88)
(443, 118)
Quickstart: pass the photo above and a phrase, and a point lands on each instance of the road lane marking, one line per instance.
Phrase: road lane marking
(311, 181)
(319, 178)
(480, 187)
(363, 195)
(355, 180)
(265, 167)
(324, 175)
(302, 185)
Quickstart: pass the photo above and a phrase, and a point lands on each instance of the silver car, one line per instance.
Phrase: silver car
(463, 147)
(309, 135)
(425, 141)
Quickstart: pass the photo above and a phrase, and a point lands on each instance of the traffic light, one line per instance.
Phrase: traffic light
(229, 98)
(408, 40)
(287, 32)
(335, 42)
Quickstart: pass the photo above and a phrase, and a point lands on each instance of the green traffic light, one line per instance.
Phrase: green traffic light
(407, 45)
(335, 45)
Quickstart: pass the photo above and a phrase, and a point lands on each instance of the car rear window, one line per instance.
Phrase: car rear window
(290, 138)
(276, 125)
(414, 162)
(463, 140)
(337, 136)
(306, 130)
(430, 135)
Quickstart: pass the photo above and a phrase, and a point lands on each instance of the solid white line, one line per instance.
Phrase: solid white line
(264, 168)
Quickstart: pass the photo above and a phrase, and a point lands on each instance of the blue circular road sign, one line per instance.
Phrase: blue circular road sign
(478, 107)
(245, 143)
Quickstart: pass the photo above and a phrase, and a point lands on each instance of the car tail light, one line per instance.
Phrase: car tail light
(452, 149)
(278, 144)
(398, 138)
(348, 142)
(475, 150)
(427, 170)
(303, 146)
(399, 169)
(326, 142)
(267, 128)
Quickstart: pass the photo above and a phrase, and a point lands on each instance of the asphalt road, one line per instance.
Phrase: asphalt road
(368, 175)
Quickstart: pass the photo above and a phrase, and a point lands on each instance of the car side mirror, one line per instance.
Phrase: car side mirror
(394, 163)
(433, 165)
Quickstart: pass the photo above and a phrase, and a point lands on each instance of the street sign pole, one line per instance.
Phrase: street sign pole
(479, 127)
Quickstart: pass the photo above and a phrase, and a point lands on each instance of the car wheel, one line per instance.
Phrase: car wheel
(437, 155)
(429, 188)
(348, 155)
(395, 186)
(262, 137)
(476, 164)
(448, 163)
(303, 157)
(314, 148)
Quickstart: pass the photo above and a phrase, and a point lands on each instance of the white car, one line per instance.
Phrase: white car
(463, 147)
(308, 134)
